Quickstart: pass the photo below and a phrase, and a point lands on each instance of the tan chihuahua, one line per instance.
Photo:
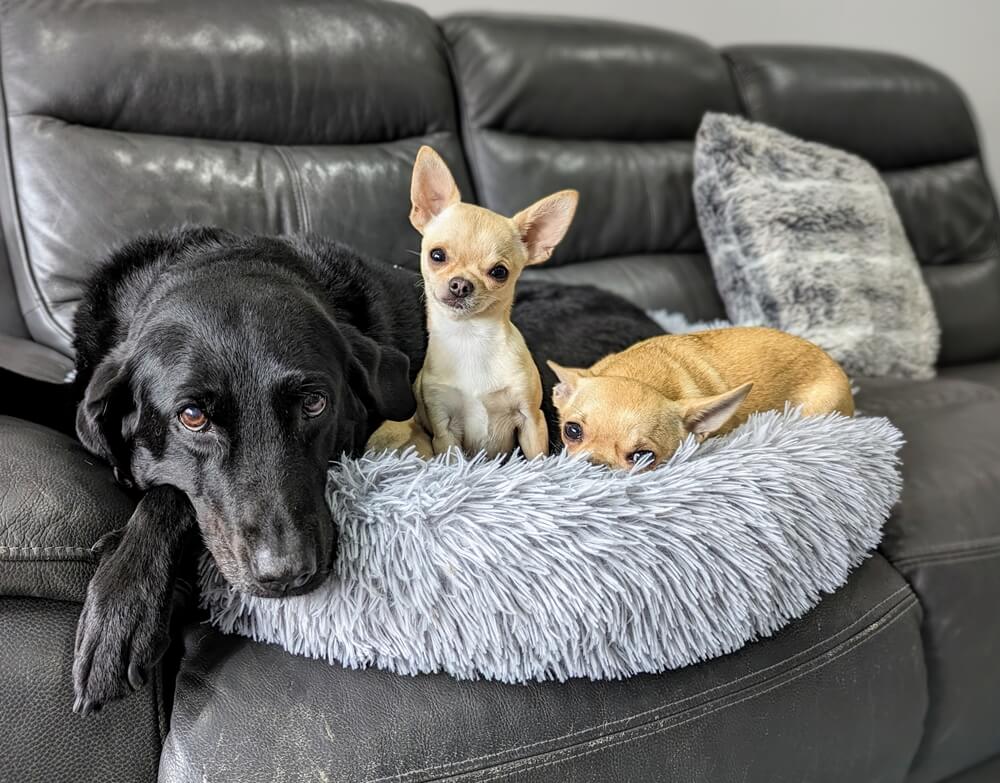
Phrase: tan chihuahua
(640, 404)
(479, 389)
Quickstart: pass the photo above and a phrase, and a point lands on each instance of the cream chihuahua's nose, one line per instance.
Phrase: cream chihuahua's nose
(459, 287)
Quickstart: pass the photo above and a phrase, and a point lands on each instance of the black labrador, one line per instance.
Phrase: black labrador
(219, 374)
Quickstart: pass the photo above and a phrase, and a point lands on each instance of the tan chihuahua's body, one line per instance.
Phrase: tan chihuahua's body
(641, 403)
(478, 389)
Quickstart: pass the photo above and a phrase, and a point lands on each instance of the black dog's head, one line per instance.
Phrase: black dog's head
(238, 390)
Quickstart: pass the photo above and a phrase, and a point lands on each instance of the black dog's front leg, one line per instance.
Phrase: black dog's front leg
(124, 626)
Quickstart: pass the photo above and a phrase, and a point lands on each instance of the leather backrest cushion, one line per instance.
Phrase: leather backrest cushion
(126, 116)
(609, 109)
(913, 124)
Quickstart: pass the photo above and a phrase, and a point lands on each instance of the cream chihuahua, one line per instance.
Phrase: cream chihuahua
(638, 405)
(479, 389)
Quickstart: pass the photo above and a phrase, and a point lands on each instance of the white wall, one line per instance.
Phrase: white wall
(960, 37)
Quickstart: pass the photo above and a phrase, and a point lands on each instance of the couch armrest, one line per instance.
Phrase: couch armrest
(56, 501)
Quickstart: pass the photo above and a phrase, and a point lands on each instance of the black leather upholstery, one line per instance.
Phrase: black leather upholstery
(259, 116)
(122, 116)
(708, 722)
(913, 124)
(945, 539)
(986, 373)
(545, 106)
(42, 741)
(56, 502)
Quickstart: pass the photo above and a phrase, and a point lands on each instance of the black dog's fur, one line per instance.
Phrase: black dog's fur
(246, 327)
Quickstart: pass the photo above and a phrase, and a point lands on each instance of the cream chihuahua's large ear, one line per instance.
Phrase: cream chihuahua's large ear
(705, 415)
(432, 188)
(568, 378)
(543, 225)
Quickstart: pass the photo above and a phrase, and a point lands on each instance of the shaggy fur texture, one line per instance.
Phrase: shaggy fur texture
(805, 238)
(557, 568)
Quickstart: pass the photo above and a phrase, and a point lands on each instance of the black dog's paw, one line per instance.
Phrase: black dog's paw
(121, 635)
(108, 543)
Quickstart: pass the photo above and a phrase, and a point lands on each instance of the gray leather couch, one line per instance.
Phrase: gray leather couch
(305, 115)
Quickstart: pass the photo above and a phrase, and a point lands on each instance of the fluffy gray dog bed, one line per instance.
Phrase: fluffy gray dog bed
(557, 568)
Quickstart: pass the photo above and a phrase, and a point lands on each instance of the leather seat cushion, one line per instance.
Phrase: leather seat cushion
(985, 373)
(58, 500)
(944, 537)
(754, 714)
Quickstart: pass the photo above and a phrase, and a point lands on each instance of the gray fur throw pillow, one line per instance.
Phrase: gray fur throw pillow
(805, 238)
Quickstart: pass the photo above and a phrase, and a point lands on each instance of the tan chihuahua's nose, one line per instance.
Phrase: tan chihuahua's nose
(459, 287)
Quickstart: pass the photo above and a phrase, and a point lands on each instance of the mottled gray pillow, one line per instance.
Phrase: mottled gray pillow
(805, 238)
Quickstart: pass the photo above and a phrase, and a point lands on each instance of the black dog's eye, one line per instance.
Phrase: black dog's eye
(438, 256)
(641, 454)
(313, 404)
(499, 272)
(193, 418)
(572, 430)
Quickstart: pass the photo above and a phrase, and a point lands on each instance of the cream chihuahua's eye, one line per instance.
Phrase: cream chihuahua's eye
(499, 273)
(572, 431)
(313, 404)
(193, 418)
(641, 455)
(438, 256)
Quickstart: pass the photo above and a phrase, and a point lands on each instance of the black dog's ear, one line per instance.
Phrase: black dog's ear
(100, 413)
(380, 375)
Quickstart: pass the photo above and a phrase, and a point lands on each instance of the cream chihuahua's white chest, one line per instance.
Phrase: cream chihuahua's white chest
(478, 386)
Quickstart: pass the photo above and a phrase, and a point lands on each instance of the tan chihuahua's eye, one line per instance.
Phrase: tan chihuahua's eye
(499, 273)
(438, 256)
(193, 418)
(572, 431)
(641, 455)
(313, 404)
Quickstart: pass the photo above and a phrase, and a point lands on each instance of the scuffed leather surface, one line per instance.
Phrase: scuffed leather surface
(610, 110)
(944, 537)
(913, 124)
(56, 500)
(42, 741)
(759, 714)
(680, 283)
(252, 115)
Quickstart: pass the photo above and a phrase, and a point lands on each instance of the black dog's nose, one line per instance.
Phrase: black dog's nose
(282, 572)
(459, 287)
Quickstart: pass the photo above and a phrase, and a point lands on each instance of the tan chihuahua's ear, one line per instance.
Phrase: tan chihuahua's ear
(432, 189)
(705, 415)
(543, 225)
(568, 377)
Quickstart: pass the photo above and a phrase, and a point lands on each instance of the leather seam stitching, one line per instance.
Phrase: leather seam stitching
(900, 611)
(599, 727)
(46, 553)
